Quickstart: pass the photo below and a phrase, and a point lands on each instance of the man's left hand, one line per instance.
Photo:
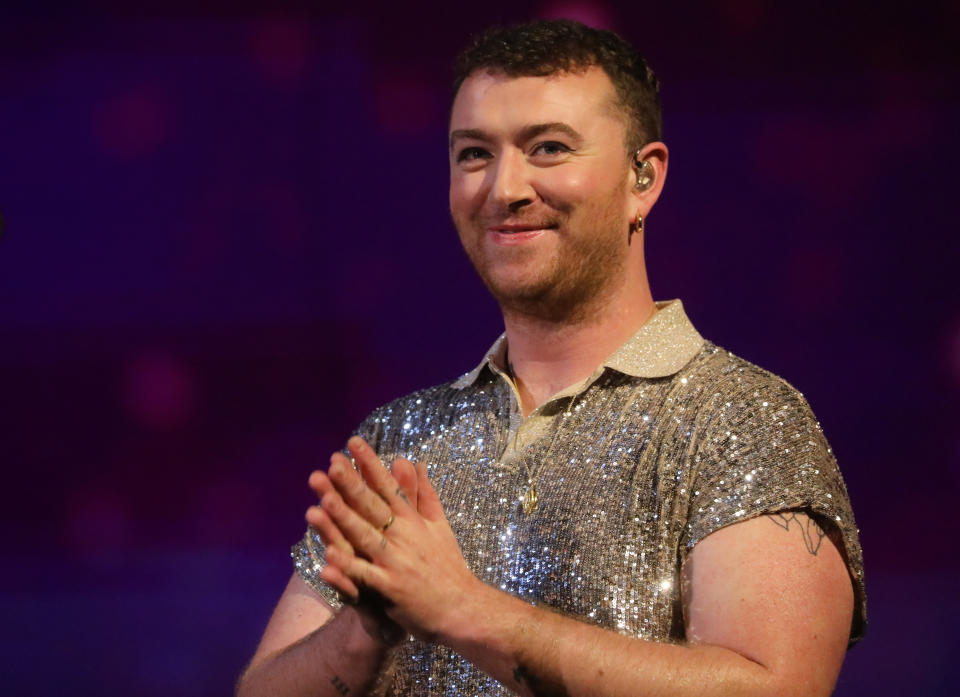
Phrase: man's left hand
(392, 539)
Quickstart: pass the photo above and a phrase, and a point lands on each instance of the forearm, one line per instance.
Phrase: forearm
(538, 652)
(339, 659)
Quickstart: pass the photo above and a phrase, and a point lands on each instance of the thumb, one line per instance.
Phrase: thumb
(428, 501)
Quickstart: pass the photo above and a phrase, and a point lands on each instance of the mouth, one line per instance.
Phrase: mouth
(513, 235)
(517, 229)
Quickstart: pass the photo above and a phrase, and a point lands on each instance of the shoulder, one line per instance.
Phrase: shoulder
(748, 414)
(443, 395)
(423, 410)
(734, 390)
(728, 372)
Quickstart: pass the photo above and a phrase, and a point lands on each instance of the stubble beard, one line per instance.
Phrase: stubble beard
(571, 286)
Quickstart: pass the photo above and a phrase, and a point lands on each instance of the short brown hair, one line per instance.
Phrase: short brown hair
(546, 47)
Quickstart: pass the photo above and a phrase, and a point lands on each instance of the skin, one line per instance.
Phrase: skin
(578, 289)
(767, 602)
(294, 656)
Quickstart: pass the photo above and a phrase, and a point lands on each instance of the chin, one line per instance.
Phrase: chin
(519, 287)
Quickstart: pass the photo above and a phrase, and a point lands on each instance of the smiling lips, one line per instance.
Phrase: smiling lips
(509, 229)
(505, 234)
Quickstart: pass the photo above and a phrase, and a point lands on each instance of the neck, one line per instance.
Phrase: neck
(546, 356)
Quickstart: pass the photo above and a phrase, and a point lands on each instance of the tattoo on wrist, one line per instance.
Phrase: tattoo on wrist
(812, 533)
(537, 686)
(340, 685)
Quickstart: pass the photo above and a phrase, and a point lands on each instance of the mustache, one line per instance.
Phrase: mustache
(512, 220)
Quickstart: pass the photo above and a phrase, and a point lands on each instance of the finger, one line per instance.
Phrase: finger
(366, 540)
(339, 580)
(406, 475)
(375, 474)
(360, 571)
(329, 533)
(428, 503)
(320, 482)
(358, 496)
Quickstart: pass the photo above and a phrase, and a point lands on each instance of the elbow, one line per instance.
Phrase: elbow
(242, 686)
(768, 682)
(735, 674)
(247, 683)
(748, 676)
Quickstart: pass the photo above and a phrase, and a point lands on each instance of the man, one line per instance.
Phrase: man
(607, 504)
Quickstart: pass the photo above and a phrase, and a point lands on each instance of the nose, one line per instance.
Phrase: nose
(511, 187)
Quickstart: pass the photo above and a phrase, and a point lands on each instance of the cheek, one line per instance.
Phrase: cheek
(465, 194)
(571, 185)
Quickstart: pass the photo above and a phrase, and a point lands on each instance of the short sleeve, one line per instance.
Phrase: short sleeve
(309, 553)
(763, 451)
(309, 558)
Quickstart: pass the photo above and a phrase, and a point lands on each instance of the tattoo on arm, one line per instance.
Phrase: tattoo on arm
(538, 687)
(812, 533)
(340, 685)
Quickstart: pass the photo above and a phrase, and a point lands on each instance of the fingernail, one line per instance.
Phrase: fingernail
(335, 469)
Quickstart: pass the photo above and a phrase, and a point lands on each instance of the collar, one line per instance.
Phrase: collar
(663, 345)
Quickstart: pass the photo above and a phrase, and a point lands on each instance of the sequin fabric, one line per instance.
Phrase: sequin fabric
(671, 439)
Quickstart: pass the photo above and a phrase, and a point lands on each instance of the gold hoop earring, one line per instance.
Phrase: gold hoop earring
(636, 227)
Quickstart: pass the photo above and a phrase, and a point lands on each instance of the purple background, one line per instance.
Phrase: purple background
(226, 240)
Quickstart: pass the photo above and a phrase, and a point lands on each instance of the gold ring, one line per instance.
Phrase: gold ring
(386, 525)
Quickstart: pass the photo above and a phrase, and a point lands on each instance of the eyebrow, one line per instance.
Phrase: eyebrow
(526, 133)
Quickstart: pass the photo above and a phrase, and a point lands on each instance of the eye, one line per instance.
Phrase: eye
(471, 154)
(550, 148)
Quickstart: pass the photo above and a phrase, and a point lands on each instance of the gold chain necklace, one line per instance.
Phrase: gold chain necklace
(529, 497)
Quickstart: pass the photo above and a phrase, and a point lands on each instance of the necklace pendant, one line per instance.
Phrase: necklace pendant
(529, 499)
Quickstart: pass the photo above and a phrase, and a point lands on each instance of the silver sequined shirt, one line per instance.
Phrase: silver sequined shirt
(669, 440)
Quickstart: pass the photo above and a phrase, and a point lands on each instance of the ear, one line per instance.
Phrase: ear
(655, 154)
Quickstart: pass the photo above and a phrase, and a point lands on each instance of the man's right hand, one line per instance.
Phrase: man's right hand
(307, 648)
(360, 497)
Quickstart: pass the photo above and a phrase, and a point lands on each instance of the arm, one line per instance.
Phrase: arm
(764, 615)
(295, 656)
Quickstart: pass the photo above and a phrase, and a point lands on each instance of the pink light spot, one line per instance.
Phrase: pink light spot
(954, 465)
(159, 391)
(593, 14)
(98, 519)
(786, 155)
(814, 277)
(745, 16)
(133, 124)
(406, 105)
(216, 510)
(953, 351)
(834, 163)
(288, 225)
(281, 50)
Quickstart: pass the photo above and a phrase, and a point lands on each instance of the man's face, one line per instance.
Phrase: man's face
(540, 188)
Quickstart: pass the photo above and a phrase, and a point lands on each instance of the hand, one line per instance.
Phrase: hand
(357, 495)
(392, 538)
(367, 604)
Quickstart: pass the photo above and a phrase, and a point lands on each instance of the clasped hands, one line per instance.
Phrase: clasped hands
(387, 532)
